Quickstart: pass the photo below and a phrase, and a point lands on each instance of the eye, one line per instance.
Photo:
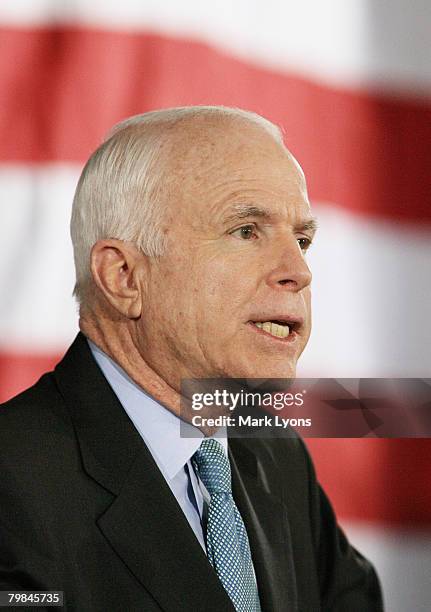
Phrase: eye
(304, 244)
(245, 232)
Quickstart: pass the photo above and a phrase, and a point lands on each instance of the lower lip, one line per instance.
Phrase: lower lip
(287, 340)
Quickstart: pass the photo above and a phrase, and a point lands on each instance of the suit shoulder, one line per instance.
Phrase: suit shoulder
(38, 407)
(36, 435)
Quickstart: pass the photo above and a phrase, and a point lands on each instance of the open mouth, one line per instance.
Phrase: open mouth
(280, 329)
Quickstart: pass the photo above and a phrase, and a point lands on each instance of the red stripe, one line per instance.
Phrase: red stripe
(61, 89)
(18, 371)
(384, 481)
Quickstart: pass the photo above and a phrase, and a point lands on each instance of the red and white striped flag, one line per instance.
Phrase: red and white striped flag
(350, 83)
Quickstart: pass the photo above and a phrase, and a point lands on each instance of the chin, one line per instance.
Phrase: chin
(265, 371)
(282, 373)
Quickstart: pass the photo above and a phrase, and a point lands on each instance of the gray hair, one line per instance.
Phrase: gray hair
(118, 193)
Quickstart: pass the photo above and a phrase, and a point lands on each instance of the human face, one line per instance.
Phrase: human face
(238, 228)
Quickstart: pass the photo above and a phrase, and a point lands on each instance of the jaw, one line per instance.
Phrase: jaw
(248, 353)
(258, 364)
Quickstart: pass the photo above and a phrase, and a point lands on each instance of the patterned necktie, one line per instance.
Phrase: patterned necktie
(227, 542)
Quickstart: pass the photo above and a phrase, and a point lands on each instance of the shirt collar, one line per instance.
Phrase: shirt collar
(158, 426)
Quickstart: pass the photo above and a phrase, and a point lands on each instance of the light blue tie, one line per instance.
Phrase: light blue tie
(227, 542)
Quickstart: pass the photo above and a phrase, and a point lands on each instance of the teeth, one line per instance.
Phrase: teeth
(280, 331)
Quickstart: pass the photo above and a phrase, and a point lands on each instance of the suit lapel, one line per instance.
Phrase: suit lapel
(148, 530)
(266, 521)
(144, 524)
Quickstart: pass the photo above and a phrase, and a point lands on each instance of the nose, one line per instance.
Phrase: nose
(290, 271)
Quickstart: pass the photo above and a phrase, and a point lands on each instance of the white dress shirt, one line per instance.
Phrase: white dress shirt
(160, 430)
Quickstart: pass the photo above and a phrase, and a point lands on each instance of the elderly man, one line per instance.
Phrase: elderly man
(190, 228)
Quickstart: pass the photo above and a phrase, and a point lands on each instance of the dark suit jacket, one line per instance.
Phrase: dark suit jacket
(84, 509)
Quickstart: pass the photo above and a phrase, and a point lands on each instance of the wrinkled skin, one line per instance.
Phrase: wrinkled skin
(187, 314)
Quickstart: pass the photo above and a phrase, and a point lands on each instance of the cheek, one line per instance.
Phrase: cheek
(174, 305)
(160, 306)
(308, 316)
(206, 300)
(220, 315)
(228, 279)
(306, 297)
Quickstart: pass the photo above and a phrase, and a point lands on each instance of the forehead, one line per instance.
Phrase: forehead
(219, 165)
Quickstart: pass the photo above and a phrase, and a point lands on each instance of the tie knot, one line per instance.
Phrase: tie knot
(213, 466)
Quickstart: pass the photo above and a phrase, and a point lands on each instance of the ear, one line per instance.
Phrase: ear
(117, 270)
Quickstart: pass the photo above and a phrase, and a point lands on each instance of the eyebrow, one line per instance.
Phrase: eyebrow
(310, 224)
(244, 211)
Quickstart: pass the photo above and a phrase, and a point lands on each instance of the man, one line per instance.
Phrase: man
(189, 226)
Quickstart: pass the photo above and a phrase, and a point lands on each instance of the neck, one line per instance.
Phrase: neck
(115, 338)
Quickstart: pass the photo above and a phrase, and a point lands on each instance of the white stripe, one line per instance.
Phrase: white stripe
(37, 311)
(382, 44)
(371, 302)
(402, 559)
(370, 297)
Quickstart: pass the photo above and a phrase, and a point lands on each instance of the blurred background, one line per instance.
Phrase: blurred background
(349, 81)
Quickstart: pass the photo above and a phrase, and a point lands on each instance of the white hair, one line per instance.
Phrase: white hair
(118, 193)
